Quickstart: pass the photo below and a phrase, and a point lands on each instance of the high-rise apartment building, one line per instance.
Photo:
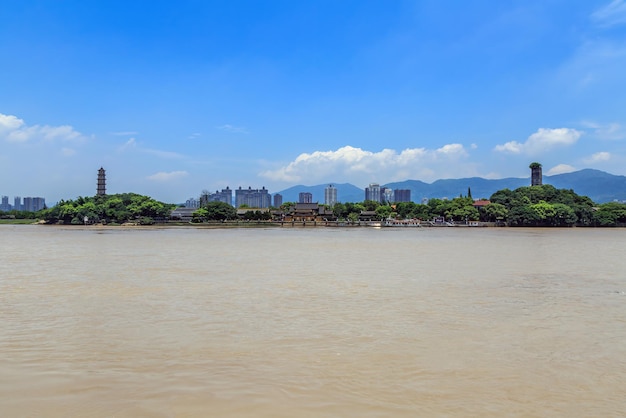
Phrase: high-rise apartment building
(253, 198)
(330, 195)
(193, 203)
(386, 195)
(373, 192)
(278, 200)
(402, 195)
(28, 204)
(226, 196)
(305, 197)
(33, 204)
(39, 203)
(4, 206)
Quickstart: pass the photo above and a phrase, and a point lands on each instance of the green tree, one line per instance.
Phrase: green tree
(545, 211)
(383, 212)
(199, 215)
(405, 209)
(371, 205)
(564, 215)
(610, 214)
(220, 211)
(496, 212)
(339, 210)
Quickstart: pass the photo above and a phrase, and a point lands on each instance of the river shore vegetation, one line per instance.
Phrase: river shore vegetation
(536, 206)
(109, 209)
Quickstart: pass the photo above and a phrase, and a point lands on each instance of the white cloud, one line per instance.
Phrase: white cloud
(541, 141)
(162, 154)
(610, 131)
(9, 123)
(63, 133)
(165, 176)
(560, 169)
(233, 129)
(13, 129)
(612, 14)
(124, 133)
(598, 157)
(452, 149)
(511, 147)
(361, 166)
(132, 144)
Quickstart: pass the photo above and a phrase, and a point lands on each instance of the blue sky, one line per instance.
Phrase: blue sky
(175, 97)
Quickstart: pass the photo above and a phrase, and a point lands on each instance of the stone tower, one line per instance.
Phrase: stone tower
(102, 187)
(536, 177)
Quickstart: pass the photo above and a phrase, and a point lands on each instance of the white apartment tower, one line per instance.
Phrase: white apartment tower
(373, 192)
(330, 195)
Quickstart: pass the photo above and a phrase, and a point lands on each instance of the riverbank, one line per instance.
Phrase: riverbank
(18, 221)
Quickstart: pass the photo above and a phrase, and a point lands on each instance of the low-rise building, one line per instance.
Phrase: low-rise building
(182, 214)
(308, 212)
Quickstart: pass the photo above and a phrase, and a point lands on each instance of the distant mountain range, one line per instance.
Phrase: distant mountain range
(600, 186)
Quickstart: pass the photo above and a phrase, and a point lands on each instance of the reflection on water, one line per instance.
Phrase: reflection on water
(312, 322)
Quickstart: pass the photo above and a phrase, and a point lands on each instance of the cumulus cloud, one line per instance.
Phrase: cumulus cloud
(560, 169)
(541, 141)
(611, 14)
(14, 129)
(9, 123)
(362, 166)
(452, 149)
(598, 157)
(165, 176)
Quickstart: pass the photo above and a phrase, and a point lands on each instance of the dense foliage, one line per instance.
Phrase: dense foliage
(18, 214)
(117, 208)
(215, 211)
(526, 206)
(545, 206)
(458, 209)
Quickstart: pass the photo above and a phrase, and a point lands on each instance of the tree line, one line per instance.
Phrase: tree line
(116, 208)
(526, 206)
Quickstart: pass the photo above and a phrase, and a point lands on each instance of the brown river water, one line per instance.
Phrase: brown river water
(312, 322)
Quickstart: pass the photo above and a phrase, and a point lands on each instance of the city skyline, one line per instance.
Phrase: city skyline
(27, 203)
(175, 99)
